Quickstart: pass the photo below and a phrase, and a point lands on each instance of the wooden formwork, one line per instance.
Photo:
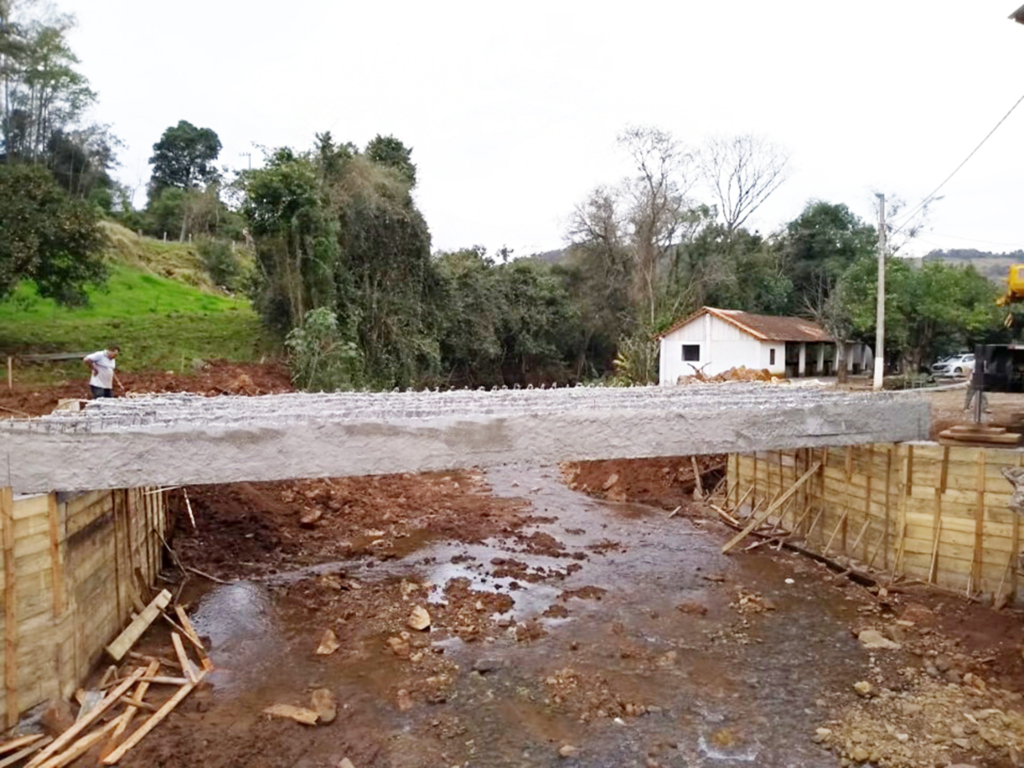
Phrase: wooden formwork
(919, 510)
(73, 570)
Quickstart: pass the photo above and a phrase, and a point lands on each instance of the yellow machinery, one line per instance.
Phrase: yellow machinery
(1014, 286)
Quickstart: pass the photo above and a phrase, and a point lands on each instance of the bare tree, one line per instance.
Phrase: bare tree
(830, 309)
(597, 220)
(742, 171)
(656, 200)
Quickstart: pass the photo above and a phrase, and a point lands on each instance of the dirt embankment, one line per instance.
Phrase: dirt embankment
(252, 529)
(219, 377)
(665, 482)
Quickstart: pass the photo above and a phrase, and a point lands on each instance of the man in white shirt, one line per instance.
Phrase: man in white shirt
(101, 384)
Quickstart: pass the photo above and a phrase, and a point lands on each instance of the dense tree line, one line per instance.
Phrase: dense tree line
(336, 227)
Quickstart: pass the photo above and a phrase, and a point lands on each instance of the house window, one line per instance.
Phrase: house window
(771, 356)
(691, 353)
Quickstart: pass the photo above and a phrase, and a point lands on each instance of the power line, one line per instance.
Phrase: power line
(956, 170)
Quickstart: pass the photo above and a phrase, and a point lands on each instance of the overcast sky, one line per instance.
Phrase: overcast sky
(512, 111)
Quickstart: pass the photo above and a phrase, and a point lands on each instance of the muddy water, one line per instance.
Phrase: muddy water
(724, 688)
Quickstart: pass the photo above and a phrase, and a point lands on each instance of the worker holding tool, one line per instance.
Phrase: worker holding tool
(102, 363)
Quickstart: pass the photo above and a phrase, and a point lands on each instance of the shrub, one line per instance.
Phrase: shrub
(221, 262)
(322, 358)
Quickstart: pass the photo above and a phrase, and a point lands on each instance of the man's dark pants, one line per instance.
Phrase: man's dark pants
(100, 392)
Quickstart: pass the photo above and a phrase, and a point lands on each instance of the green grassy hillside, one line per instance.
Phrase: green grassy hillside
(158, 305)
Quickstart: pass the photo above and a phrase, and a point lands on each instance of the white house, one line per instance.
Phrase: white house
(713, 341)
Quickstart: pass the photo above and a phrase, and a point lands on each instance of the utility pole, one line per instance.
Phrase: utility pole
(248, 155)
(880, 312)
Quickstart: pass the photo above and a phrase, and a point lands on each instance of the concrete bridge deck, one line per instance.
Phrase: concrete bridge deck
(188, 439)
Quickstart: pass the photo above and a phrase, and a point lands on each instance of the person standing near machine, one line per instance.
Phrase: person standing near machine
(102, 364)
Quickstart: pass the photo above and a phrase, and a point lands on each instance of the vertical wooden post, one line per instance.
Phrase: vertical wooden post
(129, 516)
(150, 535)
(888, 505)
(846, 496)
(937, 514)
(803, 464)
(753, 496)
(1015, 544)
(10, 606)
(908, 488)
(118, 568)
(10, 372)
(782, 485)
(979, 526)
(867, 503)
(56, 565)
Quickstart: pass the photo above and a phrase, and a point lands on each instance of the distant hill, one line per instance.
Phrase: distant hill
(994, 266)
(551, 257)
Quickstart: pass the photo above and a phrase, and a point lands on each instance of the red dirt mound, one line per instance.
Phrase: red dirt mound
(219, 377)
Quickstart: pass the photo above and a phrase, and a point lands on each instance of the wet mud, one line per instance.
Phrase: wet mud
(603, 633)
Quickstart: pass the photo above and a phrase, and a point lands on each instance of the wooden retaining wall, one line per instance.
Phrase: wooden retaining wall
(73, 568)
(919, 510)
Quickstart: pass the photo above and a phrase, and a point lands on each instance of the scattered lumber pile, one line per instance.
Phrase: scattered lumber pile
(979, 434)
(140, 685)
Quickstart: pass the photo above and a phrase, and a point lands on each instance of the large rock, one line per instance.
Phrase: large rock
(874, 640)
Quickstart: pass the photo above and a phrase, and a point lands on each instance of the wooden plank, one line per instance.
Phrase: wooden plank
(126, 513)
(863, 530)
(56, 564)
(190, 631)
(867, 500)
(71, 733)
(753, 500)
(81, 746)
(760, 518)
(888, 497)
(935, 547)
(840, 524)
(129, 713)
(183, 659)
(881, 537)
(1015, 544)
(124, 642)
(979, 521)
(118, 565)
(20, 755)
(166, 680)
(24, 741)
(152, 722)
(10, 606)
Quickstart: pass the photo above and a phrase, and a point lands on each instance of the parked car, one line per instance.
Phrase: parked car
(957, 365)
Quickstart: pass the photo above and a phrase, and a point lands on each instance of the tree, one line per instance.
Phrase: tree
(656, 204)
(392, 153)
(742, 172)
(820, 245)
(184, 157)
(81, 161)
(335, 229)
(42, 91)
(929, 309)
(48, 237)
(832, 309)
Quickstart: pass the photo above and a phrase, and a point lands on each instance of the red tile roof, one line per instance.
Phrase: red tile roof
(764, 327)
